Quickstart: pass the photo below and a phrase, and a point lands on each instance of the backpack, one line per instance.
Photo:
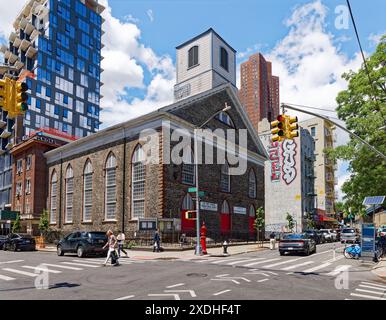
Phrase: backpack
(114, 257)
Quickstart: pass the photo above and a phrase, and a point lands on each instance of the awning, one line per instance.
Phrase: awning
(8, 215)
(328, 219)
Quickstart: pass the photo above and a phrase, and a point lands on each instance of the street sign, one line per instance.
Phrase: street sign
(191, 190)
(368, 240)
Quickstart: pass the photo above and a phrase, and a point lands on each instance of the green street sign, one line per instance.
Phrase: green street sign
(201, 193)
(191, 190)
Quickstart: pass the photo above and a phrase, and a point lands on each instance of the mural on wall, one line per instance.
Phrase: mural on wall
(274, 157)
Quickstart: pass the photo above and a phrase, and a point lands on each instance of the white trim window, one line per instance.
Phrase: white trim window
(193, 57)
(187, 203)
(139, 181)
(29, 161)
(87, 192)
(53, 204)
(188, 169)
(225, 181)
(252, 184)
(225, 207)
(111, 188)
(252, 211)
(69, 195)
(28, 186)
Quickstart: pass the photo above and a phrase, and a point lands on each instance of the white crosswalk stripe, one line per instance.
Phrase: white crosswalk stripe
(81, 264)
(338, 270)
(280, 263)
(374, 284)
(297, 265)
(224, 260)
(63, 267)
(260, 262)
(366, 296)
(43, 269)
(372, 287)
(322, 266)
(243, 261)
(370, 290)
(5, 278)
(24, 273)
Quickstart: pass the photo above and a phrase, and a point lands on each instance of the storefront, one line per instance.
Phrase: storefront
(6, 220)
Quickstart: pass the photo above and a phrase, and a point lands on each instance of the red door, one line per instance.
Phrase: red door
(187, 225)
(251, 222)
(225, 223)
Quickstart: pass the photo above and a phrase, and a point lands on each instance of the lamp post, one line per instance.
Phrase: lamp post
(198, 249)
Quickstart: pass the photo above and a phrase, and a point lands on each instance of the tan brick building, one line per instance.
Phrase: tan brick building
(99, 182)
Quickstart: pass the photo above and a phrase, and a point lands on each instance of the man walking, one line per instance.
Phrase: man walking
(272, 241)
(111, 243)
(121, 241)
(156, 240)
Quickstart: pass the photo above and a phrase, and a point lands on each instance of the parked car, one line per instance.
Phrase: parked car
(338, 232)
(322, 238)
(2, 241)
(19, 241)
(349, 235)
(83, 244)
(313, 234)
(328, 235)
(299, 243)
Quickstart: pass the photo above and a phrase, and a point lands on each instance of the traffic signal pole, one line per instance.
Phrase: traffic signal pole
(286, 106)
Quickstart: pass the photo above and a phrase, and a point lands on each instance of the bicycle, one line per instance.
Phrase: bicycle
(352, 252)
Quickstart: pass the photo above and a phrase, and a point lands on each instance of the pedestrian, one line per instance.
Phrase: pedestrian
(111, 253)
(156, 240)
(272, 241)
(121, 241)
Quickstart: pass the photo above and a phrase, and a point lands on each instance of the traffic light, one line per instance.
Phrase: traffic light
(292, 127)
(190, 215)
(278, 128)
(21, 97)
(6, 94)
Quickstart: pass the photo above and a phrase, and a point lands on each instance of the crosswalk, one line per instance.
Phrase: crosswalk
(369, 291)
(13, 270)
(323, 263)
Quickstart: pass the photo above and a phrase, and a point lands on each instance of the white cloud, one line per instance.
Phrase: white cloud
(343, 176)
(375, 38)
(150, 14)
(131, 18)
(8, 14)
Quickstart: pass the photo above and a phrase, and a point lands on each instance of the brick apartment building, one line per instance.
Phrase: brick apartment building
(29, 179)
(259, 89)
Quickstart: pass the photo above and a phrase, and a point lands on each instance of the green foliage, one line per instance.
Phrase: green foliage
(44, 224)
(290, 222)
(366, 118)
(260, 219)
(310, 223)
(16, 227)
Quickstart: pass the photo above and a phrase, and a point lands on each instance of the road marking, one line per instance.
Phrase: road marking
(241, 261)
(234, 281)
(5, 278)
(280, 263)
(336, 258)
(263, 280)
(81, 264)
(298, 265)
(374, 284)
(61, 266)
(366, 296)
(322, 266)
(102, 261)
(222, 275)
(372, 287)
(25, 273)
(192, 293)
(176, 296)
(339, 270)
(42, 269)
(255, 273)
(125, 298)
(369, 291)
(175, 285)
(260, 262)
(224, 260)
(221, 292)
(13, 261)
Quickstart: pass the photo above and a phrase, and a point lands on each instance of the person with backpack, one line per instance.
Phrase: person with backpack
(156, 240)
(111, 244)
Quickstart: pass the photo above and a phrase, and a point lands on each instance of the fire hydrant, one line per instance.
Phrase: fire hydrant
(225, 246)
(203, 238)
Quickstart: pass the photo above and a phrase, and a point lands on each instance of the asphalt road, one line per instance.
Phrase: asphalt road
(260, 275)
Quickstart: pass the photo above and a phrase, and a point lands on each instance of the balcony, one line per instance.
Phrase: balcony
(31, 52)
(25, 44)
(34, 35)
(9, 146)
(12, 36)
(2, 124)
(12, 58)
(23, 23)
(17, 42)
(29, 28)
(19, 64)
(5, 134)
(3, 48)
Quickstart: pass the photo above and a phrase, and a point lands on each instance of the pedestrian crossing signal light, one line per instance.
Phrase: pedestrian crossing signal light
(190, 215)
(278, 128)
(21, 97)
(292, 127)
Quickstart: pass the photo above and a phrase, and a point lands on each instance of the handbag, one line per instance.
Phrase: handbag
(114, 257)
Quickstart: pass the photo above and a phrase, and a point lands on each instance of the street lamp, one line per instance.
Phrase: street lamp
(225, 109)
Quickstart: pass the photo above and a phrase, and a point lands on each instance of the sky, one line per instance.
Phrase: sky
(311, 43)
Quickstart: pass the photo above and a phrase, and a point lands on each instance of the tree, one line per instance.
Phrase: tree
(16, 227)
(309, 217)
(44, 223)
(363, 108)
(259, 222)
(290, 222)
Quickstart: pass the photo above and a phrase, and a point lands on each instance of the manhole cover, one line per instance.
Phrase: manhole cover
(199, 275)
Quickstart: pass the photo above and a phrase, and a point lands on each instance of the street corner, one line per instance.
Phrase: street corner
(380, 270)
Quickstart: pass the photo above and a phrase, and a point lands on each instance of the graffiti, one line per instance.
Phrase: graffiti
(274, 157)
(276, 227)
(289, 163)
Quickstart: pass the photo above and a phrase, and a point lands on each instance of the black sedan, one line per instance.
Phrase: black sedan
(313, 234)
(19, 241)
(83, 243)
(299, 243)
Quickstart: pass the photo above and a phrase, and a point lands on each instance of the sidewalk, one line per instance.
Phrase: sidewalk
(380, 269)
(186, 254)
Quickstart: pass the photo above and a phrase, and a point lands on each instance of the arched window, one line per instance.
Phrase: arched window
(69, 194)
(252, 184)
(111, 188)
(225, 207)
(87, 192)
(193, 57)
(187, 203)
(226, 119)
(252, 211)
(225, 183)
(138, 185)
(224, 60)
(54, 190)
(188, 168)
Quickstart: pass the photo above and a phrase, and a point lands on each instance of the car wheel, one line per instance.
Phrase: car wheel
(14, 247)
(308, 252)
(282, 253)
(60, 251)
(80, 252)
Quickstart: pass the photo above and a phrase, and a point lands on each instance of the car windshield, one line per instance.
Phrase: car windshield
(348, 231)
(294, 236)
(97, 235)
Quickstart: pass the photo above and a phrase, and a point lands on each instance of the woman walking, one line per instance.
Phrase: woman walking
(111, 243)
